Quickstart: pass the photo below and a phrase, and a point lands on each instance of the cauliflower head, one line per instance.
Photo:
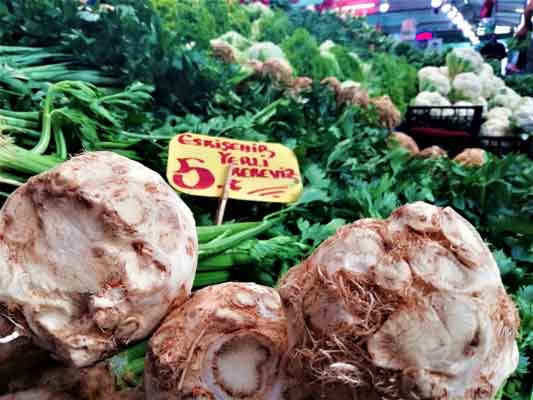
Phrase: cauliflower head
(523, 114)
(428, 99)
(467, 85)
(462, 60)
(431, 79)
(506, 97)
(496, 127)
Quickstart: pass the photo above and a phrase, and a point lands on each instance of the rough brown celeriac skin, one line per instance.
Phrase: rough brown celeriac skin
(471, 157)
(333, 84)
(411, 307)
(353, 96)
(432, 152)
(223, 51)
(188, 354)
(92, 255)
(407, 142)
(279, 71)
(389, 115)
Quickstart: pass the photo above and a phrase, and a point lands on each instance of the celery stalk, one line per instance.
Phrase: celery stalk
(208, 233)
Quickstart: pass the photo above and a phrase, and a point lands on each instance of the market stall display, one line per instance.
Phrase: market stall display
(466, 81)
(120, 80)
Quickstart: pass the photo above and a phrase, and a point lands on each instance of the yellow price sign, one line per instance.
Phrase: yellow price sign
(199, 164)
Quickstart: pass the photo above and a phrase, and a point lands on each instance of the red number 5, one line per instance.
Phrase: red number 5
(205, 177)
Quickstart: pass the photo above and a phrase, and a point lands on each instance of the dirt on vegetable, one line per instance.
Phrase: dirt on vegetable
(410, 307)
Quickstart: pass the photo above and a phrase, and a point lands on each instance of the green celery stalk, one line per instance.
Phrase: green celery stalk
(8, 179)
(20, 49)
(210, 278)
(61, 144)
(22, 160)
(128, 366)
(26, 115)
(224, 261)
(218, 246)
(46, 133)
(18, 123)
(208, 233)
(15, 129)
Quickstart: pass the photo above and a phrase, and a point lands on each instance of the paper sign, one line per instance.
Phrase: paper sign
(199, 164)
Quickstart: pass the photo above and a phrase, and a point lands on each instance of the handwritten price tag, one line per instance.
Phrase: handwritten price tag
(198, 165)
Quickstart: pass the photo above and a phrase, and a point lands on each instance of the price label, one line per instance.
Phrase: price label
(199, 164)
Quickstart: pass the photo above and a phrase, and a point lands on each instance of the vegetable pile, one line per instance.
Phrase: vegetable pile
(126, 77)
(466, 80)
(410, 307)
(236, 339)
(94, 252)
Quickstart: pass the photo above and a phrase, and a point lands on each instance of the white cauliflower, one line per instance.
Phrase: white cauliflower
(467, 85)
(444, 71)
(506, 97)
(526, 101)
(464, 113)
(486, 70)
(490, 85)
(428, 99)
(523, 114)
(480, 101)
(498, 113)
(431, 79)
(263, 51)
(433, 99)
(463, 60)
(496, 127)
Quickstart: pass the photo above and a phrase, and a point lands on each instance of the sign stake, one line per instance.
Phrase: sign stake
(224, 196)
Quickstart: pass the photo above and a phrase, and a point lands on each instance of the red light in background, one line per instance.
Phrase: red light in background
(424, 36)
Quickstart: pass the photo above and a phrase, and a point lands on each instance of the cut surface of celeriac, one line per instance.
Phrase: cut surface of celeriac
(226, 342)
(92, 255)
(411, 307)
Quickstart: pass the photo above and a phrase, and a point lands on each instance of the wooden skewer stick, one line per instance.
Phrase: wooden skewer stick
(224, 197)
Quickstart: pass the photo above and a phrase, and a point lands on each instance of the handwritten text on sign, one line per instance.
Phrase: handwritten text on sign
(199, 164)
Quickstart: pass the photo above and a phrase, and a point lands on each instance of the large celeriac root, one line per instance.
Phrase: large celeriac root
(411, 307)
(226, 342)
(93, 254)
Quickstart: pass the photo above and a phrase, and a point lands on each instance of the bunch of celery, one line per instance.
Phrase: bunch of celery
(23, 69)
(225, 248)
(75, 116)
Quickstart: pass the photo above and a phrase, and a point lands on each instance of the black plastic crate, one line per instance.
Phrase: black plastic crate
(507, 145)
(452, 118)
(453, 128)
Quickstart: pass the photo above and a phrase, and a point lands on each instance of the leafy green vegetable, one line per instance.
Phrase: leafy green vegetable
(395, 77)
(349, 64)
(304, 55)
(350, 169)
(522, 84)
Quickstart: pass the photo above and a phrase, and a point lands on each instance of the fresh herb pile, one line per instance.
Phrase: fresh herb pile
(522, 84)
(128, 79)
